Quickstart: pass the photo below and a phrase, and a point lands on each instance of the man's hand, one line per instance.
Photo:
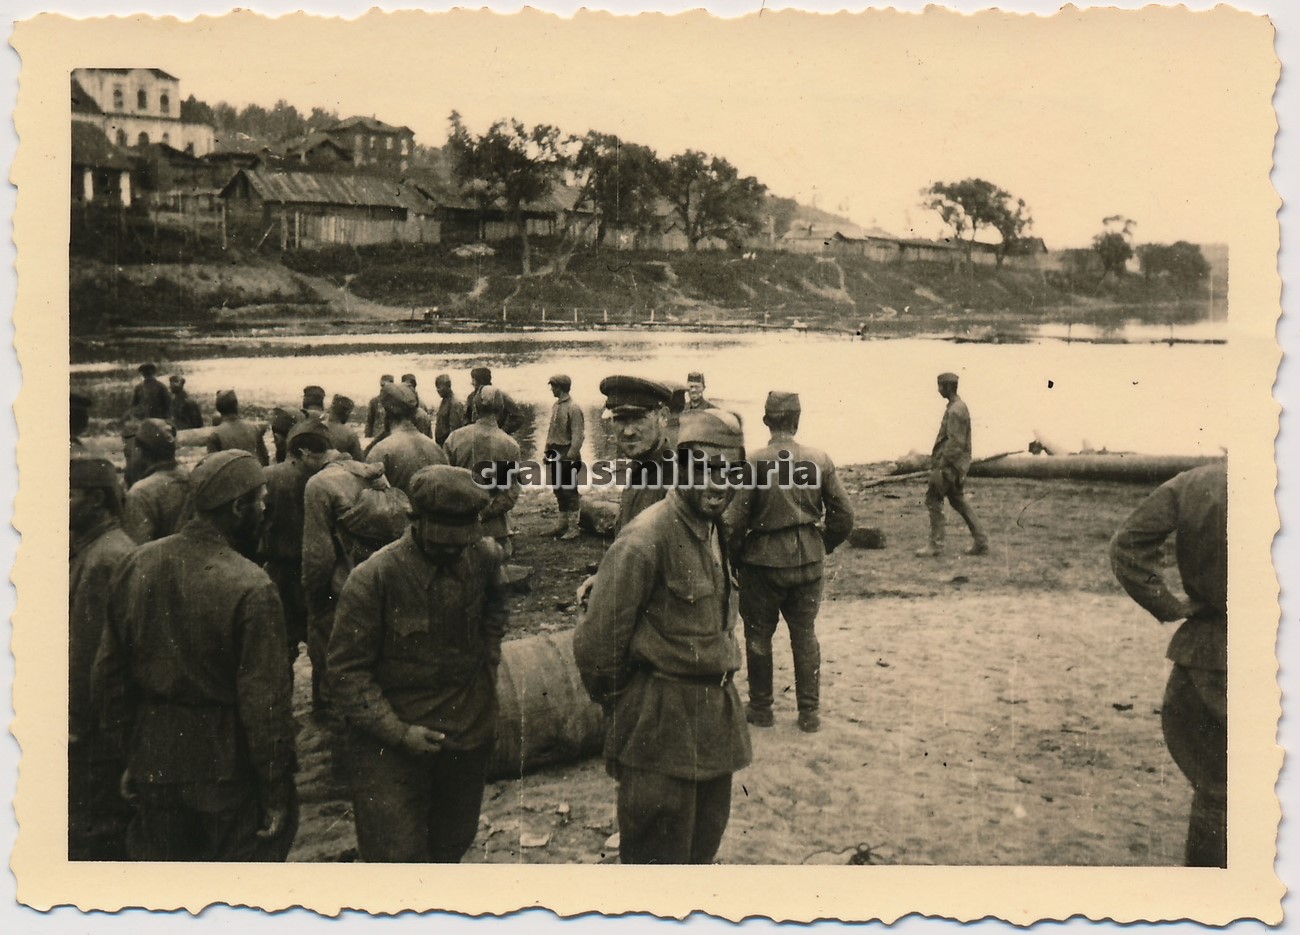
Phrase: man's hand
(422, 741)
(584, 591)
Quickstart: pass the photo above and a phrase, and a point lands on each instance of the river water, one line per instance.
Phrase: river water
(862, 400)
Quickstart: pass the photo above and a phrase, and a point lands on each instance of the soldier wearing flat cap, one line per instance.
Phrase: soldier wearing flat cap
(342, 438)
(949, 463)
(185, 412)
(158, 504)
(657, 649)
(413, 662)
(307, 449)
(375, 409)
(778, 541)
(406, 449)
(695, 392)
(510, 416)
(97, 813)
(192, 680)
(235, 433)
(451, 411)
(149, 398)
(480, 443)
(564, 438)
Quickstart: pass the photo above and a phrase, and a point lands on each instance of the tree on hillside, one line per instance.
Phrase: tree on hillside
(1114, 245)
(619, 181)
(711, 199)
(971, 204)
(781, 212)
(195, 111)
(509, 166)
(1182, 263)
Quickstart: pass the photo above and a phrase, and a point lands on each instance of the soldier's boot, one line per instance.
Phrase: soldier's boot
(935, 548)
(571, 530)
(807, 691)
(980, 541)
(759, 671)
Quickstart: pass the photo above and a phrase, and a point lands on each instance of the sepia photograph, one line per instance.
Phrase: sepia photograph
(819, 442)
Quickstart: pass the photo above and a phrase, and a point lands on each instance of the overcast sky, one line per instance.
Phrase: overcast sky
(1143, 115)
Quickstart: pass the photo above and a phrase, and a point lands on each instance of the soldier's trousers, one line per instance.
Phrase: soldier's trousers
(286, 575)
(766, 595)
(204, 821)
(413, 809)
(666, 820)
(953, 491)
(562, 474)
(98, 816)
(320, 624)
(1195, 721)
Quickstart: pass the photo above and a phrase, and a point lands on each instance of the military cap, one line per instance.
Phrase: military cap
(633, 394)
(449, 497)
(92, 473)
(482, 375)
(488, 400)
(781, 403)
(156, 437)
(282, 420)
(716, 427)
(561, 380)
(339, 403)
(309, 433)
(79, 402)
(409, 379)
(227, 398)
(224, 476)
(386, 378)
(695, 377)
(148, 370)
(313, 397)
(946, 377)
(398, 397)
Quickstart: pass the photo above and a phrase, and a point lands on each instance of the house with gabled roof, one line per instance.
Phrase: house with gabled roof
(374, 145)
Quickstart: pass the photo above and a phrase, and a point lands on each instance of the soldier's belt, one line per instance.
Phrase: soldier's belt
(720, 679)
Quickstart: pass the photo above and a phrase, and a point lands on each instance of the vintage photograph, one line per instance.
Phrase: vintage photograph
(787, 441)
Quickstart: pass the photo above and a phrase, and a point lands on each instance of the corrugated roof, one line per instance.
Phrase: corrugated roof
(90, 147)
(367, 123)
(325, 188)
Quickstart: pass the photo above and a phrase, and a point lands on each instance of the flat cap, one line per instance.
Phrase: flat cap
(398, 397)
(489, 399)
(409, 379)
(224, 476)
(782, 403)
(227, 397)
(313, 397)
(79, 402)
(716, 427)
(156, 437)
(449, 497)
(695, 377)
(633, 394)
(309, 433)
(947, 377)
(562, 380)
(481, 374)
(339, 403)
(92, 473)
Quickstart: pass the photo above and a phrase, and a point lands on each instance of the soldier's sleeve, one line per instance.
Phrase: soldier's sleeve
(317, 543)
(214, 441)
(264, 686)
(496, 611)
(110, 684)
(137, 519)
(1135, 554)
(839, 511)
(603, 636)
(736, 520)
(355, 645)
(456, 417)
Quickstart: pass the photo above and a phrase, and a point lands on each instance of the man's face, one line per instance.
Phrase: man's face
(636, 434)
(177, 386)
(709, 501)
(556, 390)
(83, 508)
(696, 390)
(444, 388)
(947, 390)
(440, 553)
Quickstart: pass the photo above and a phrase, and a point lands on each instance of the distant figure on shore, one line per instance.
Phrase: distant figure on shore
(695, 392)
(234, 432)
(185, 412)
(949, 462)
(564, 438)
(375, 410)
(1193, 507)
(342, 438)
(150, 399)
(451, 411)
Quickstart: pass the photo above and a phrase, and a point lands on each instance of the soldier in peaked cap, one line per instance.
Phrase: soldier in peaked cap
(97, 814)
(157, 504)
(234, 432)
(657, 649)
(949, 463)
(192, 681)
(639, 415)
(564, 439)
(413, 660)
(778, 542)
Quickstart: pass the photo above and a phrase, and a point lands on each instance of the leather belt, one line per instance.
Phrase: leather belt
(720, 679)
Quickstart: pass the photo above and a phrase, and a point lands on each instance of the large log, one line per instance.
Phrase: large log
(1133, 468)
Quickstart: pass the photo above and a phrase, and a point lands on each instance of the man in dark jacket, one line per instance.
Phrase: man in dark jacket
(657, 649)
(451, 411)
(158, 504)
(342, 438)
(375, 409)
(234, 433)
(406, 449)
(97, 814)
(413, 663)
(185, 413)
(510, 416)
(150, 399)
(191, 678)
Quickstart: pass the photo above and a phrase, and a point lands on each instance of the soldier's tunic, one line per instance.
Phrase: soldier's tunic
(565, 435)
(644, 490)
(779, 548)
(235, 432)
(192, 679)
(185, 412)
(158, 504)
(657, 649)
(417, 643)
(450, 416)
(281, 548)
(151, 400)
(475, 444)
(97, 814)
(343, 439)
(404, 452)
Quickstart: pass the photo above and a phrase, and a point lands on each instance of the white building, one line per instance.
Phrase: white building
(135, 106)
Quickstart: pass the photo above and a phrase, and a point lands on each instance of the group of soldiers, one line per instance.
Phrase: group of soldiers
(189, 599)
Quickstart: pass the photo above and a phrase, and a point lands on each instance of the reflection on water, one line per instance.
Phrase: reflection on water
(863, 400)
